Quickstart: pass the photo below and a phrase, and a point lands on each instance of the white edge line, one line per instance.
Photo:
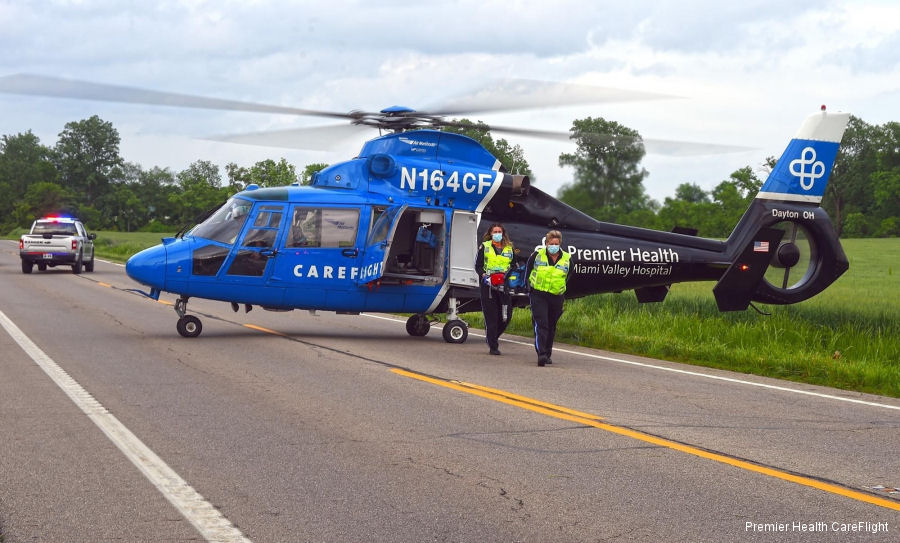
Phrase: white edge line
(686, 372)
(211, 524)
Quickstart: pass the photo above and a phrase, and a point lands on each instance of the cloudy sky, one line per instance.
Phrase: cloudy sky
(742, 74)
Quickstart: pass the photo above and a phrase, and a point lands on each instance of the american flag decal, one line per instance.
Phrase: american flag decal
(760, 246)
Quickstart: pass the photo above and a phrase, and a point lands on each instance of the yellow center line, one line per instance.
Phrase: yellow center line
(532, 401)
(102, 284)
(544, 409)
(590, 420)
(266, 330)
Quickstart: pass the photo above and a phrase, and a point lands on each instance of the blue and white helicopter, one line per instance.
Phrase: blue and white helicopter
(396, 229)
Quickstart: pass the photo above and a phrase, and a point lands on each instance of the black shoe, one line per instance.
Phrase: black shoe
(542, 360)
(495, 351)
(549, 361)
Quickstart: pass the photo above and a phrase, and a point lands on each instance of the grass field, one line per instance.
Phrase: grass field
(119, 246)
(847, 337)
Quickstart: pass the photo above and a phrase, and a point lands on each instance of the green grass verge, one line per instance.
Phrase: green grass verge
(119, 246)
(847, 337)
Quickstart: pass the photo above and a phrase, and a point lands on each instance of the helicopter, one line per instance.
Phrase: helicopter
(396, 229)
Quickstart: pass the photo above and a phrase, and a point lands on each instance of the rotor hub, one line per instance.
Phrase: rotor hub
(788, 254)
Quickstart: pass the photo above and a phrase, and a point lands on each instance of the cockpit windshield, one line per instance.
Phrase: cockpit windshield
(225, 224)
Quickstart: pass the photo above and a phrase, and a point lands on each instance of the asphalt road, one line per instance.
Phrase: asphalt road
(299, 427)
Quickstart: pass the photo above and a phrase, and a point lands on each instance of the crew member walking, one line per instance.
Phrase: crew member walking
(494, 258)
(547, 271)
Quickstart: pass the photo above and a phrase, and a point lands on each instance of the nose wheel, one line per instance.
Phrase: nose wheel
(456, 330)
(187, 325)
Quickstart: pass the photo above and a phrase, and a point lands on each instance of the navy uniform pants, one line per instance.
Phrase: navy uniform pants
(497, 313)
(546, 309)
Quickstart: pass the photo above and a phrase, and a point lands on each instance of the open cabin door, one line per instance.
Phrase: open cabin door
(378, 244)
(463, 244)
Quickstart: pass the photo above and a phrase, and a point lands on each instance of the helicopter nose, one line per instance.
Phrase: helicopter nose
(148, 267)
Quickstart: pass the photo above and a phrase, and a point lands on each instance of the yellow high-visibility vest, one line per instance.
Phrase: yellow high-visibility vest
(549, 277)
(494, 263)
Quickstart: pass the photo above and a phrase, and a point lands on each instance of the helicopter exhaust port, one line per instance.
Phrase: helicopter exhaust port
(517, 184)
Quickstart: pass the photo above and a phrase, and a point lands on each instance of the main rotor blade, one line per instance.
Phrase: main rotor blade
(651, 145)
(318, 138)
(39, 85)
(515, 94)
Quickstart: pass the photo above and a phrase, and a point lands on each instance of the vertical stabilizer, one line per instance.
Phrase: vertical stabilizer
(802, 172)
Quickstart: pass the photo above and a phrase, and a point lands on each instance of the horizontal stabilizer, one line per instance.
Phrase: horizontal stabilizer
(736, 287)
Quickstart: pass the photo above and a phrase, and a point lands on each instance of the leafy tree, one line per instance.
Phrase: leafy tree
(849, 186)
(156, 188)
(692, 208)
(886, 191)
(747, 184)
(238, 177)
(856, 225)
(512, 157)
(265, 173)
(608, 177)
(691, 192)
(310, 170)
(201, 190)
(43, 198)
(86, 154)
(268, 173)
(23, 162)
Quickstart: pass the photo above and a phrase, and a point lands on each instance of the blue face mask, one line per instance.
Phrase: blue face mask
(497, 237)
(553, 249)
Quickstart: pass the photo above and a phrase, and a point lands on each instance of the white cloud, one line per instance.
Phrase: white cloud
(748, 73)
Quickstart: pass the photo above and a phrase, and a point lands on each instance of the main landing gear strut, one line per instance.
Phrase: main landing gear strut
(188, 325)
(455, 330)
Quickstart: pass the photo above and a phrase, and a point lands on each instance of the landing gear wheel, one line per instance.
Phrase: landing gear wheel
(27, 266)
(456, 331)
(418, 325)
(189, 326)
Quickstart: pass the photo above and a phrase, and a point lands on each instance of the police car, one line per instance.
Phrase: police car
(55, 241)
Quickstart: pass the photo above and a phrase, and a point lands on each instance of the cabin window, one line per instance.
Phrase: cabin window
(323, 227)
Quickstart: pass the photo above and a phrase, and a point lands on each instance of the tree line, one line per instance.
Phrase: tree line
(83, 174)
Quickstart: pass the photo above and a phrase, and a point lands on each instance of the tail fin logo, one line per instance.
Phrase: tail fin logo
(802, 172)
(807, 177)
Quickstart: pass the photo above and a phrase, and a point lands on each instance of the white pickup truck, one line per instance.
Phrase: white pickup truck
(55, 241)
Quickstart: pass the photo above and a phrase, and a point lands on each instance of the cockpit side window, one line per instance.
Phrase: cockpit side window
(225, 224)
(261, 234)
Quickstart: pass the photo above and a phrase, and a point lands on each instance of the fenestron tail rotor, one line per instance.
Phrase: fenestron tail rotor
(794, 261)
